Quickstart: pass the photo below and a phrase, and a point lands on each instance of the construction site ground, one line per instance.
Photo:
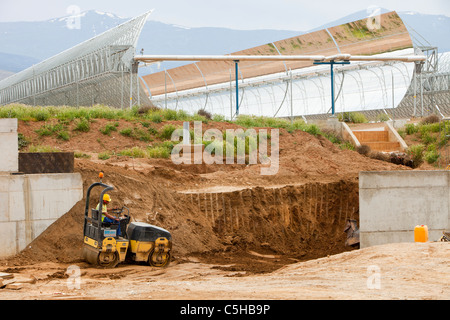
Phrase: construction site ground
(236, 234)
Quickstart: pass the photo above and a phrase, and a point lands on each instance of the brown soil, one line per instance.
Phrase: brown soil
(223, 218)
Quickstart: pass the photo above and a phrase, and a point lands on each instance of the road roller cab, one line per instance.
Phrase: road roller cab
(138, 241)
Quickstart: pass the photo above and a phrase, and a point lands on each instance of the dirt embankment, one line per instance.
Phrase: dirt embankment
(297, 214)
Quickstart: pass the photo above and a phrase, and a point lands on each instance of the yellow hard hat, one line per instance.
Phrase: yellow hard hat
(106, 197)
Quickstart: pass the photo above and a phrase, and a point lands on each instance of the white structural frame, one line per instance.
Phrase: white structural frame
(280, 104)
(78, 71)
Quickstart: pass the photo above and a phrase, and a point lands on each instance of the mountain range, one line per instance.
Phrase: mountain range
(26, 43)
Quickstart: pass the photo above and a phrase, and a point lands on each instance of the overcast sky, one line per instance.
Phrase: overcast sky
(296, 15)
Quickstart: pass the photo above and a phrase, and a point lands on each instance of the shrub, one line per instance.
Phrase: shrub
(128, 132)
(82, 125)
(156, 118)
(312, 129)
(443, 140)
(166, 131)
(383, 117)
(346, 146)
(411, 128)
(44, 131)
(22, 141)
(431, 156)
(355, 117)
(416, 153)
(104, 155)
(141, 135)
(63, 135)
(42, 115)
(379, 156)
(170, 114)
(134, 152)
(145, 124)
(167, 144)
(363, 149)
(108, 128)
(147, 109)
(212, 146)
(81, 155)
(204, 113)
(428, 128)
(158, 152)
(218, 118)
(427, 138)
(332, 135)
(402, 133)
(50, 129)
(197, 117)
(358, 117)
(431, 119)
(152, 131)
(298, 124)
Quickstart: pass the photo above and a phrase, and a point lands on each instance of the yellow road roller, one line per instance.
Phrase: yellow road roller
(107, 244)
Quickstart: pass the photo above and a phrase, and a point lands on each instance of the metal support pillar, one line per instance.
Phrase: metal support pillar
(332, 63)
(231, 97)
(292, 101)
(236, 64)
(131, 87)
(165, 89)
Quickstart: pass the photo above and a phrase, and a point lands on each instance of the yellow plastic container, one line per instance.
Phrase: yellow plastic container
(421, 233)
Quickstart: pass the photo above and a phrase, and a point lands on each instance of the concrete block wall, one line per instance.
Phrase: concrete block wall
(9, 145)
(31, 203)
(393, 203)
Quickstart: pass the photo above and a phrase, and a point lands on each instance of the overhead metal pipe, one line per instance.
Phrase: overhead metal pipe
(389, 58)
(231, 58)
(149, 58)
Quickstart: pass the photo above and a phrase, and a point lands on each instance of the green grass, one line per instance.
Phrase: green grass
(81, 155)
(158, 152)
(166, 131)
(156, 118)
(82, 125)
(346, 145)
(136, 133)
(108, 128)
(39, 113)
(63, 135)
(42, 148)
(411, 129)
(127, 132)
(49, 129)
(83, 116)
(382, 117)
(430, 139)
(134, 152)
(353, 117)
(104, 155)
(277, 123)
(218, 118)
(431, 156)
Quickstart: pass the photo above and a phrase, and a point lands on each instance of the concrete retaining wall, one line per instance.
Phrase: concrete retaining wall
(9, 145)
(395, 137)
(31, 203)
(392, 203)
